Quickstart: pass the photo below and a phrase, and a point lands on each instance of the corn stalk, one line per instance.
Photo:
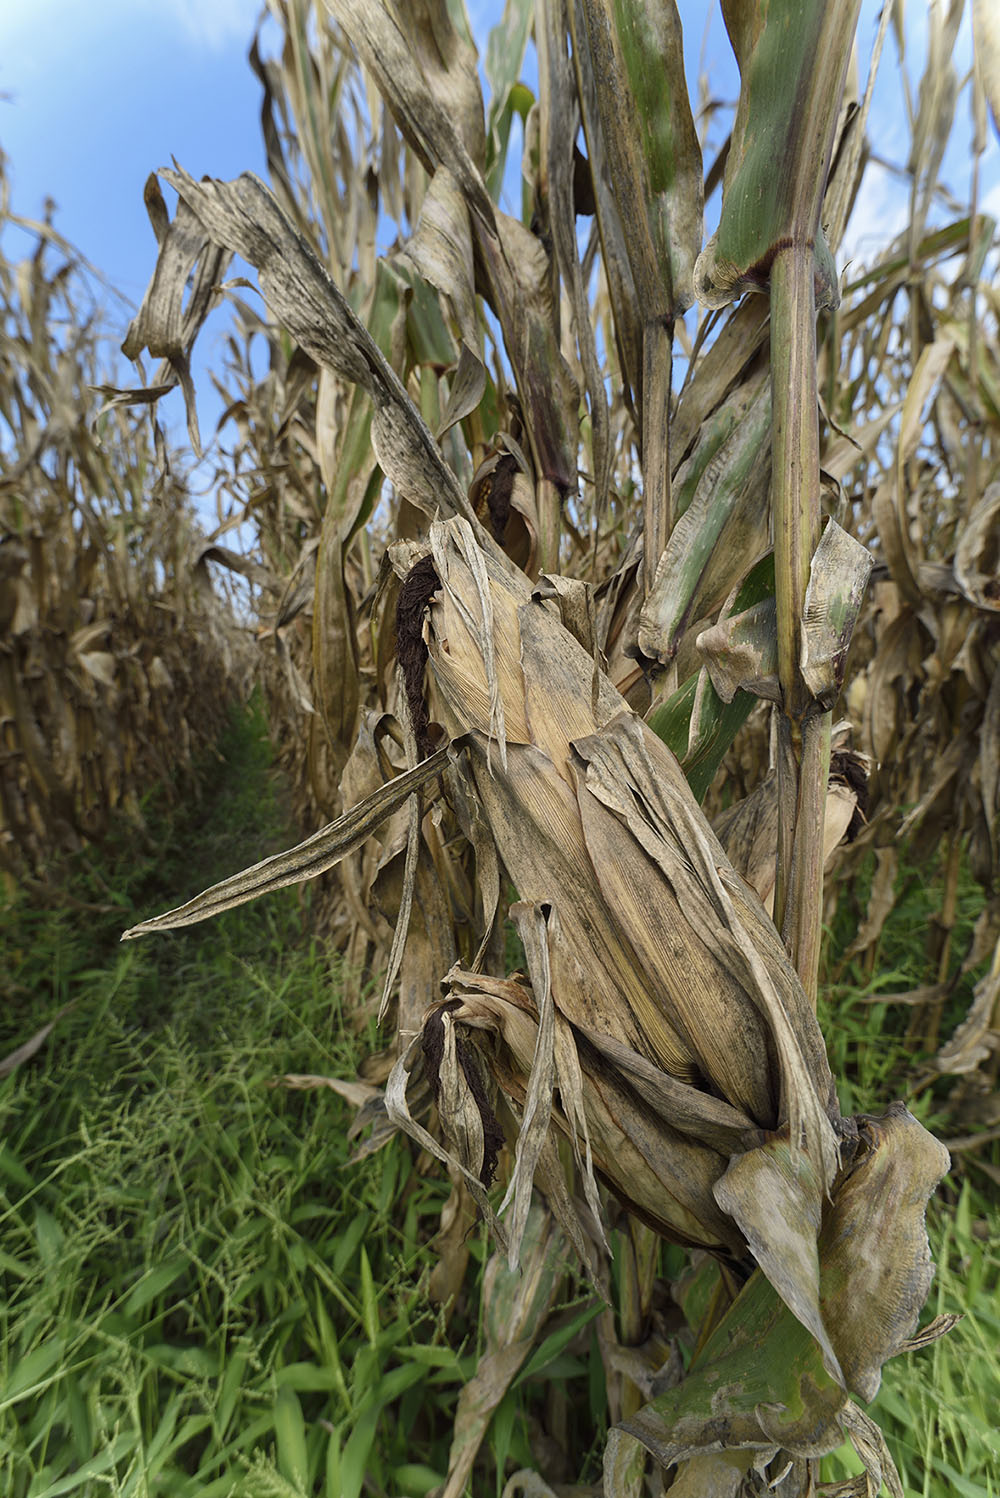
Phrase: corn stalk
(545, 682)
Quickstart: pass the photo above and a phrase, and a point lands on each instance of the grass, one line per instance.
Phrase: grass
(876, 1048)
(201, 1295)
(939, 1408)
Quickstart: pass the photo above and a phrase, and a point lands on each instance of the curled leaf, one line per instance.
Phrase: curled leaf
(875, 1260)
(977, 556)
(838, 578)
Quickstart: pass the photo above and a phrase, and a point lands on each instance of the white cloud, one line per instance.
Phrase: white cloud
(212, 23)
(881, 211)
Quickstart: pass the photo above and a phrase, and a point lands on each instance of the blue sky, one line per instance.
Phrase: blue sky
(93, 97)
(96, 96)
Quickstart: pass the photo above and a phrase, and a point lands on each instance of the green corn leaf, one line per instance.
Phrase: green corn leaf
(637, 58)
(696, 722)
(792, 56)
(550, 1348)
(758, 1382)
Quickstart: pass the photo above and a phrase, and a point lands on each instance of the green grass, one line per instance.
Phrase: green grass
(939, 1408)
(200, 1295)
(875, 1048)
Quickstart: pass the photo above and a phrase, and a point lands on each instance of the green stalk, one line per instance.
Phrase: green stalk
(657, 358)
(793, 57)
(549, 502)
(802, 926)
(795, 456)
(795, 494)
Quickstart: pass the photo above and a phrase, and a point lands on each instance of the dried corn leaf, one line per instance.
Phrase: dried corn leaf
(869, 1442)
(774, 1195)
(424, 922)
(792, 61)
(641, 1135)
(636, 54)
(986, 30)
(322, 851)
(558, 124)
(875, 1261)
(440, 250)
(350, 476)
(33, 1044)
(688, 1109)
(974, 1040)
(749, 832)
(450, 1246)
(723, 524)
(426, 71)
(741, 653)
(880, 902)
(355, 1093)
(184, 289)
(838, 577)
(515, 1306)
(989, 763)
(977, 556)
(398, 1111)
(244, 216)
(531, 921)
(712, 1474)
(890, 499)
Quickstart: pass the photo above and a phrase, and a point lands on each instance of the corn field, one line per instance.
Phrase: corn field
(621, 588)
(118, 653)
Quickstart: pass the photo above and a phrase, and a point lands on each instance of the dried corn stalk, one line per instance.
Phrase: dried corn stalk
(117, 657)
